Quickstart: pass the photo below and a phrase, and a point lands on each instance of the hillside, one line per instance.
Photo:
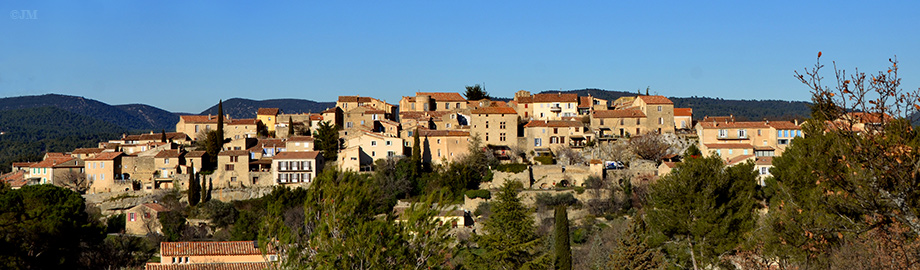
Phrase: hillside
(704, 106)
(130, 117)
(28, 133)
(246, 108)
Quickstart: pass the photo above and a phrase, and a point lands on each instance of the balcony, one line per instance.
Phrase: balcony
(734, 137)
(555, 109)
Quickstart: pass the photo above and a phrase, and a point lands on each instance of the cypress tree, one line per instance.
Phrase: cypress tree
(563, 247)
(220, 123)
(210, 187)
(194, 189)
(290, 126)
(163, 138)
(416, 150)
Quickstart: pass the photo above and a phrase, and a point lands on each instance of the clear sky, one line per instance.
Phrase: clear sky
(183, 55)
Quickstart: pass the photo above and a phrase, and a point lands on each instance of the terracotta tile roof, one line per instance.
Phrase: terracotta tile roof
(225, 248)
(84, 151)
(413, 115)
(494, 110)
(268, 111)
(655, 100)
(866, 118)
(730, 118)
(739, 159)
(763, 161)
(15, 179)
(443, 133)
(355, 99)
(784, 125)
(297, 155)
(204, 119)
(719, 125)
(553, 123)
(106, 156)
(169, 153)
(55, 154)
(627, 113)
(442, 96)
(367, 110)
(585, 102)
(157, 136)
(195, 154)
(409, 99)
(156, 207)
(389, 122)
(555, 97)
(316, 117)
(244, 122)
(51, 162)
(683, 111)
(23, 164)
(670, 164)
(271, 143)
(763, 148)
(211, 266)
(330, 110)
(234, 153)
(300, 139)
(729, 146)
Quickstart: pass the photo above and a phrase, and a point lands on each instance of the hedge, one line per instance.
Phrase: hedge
(479, 193)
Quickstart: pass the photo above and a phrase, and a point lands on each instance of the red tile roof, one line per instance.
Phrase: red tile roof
(225, 248)
(442, 96)
(297, 155)
(330, 110)
(300, 139)
(106, 156)
(268, 111)
(23, 164)
(784, 125)
(15, 179)
(715, 124)
(763, 161)
(523, 100)
(169, 153)
(553, 123)
(316, 117)
(443, 133)
(494, 110)
(655, 100)
(84, 151)
(195, 154)
(271, 143)
(234, 153)
(730, 118)
(355, 99)
(585, 102)
(729, 145)
(211, 266)
(866, 118)
(244, 121)
(670, 164)
(204, 119)
(156, 207)
(555, 97)
(51, 162)
(627, 113)
(739, 159)
(683, 111)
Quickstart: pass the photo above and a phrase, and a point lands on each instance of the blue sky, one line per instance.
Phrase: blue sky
(183, 55)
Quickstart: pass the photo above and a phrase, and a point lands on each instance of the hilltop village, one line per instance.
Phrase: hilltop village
(556, 143)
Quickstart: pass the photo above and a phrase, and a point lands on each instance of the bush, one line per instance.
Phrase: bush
(545, 160)
(512, 167)
(115, 224)
(479, 193)
(579, 190)
(580, 236)
(484, 209)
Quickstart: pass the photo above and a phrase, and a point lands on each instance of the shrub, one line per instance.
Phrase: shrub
(479, 193)
(579, 190)
(580, 236)
(545, 160)
(512, 167)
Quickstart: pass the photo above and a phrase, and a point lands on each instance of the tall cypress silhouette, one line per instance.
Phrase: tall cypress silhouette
(290, 126)
(220, 123)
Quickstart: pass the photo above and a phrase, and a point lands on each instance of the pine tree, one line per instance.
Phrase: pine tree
(633, 253)
(476, 92)
(562, 245)
(510, 240)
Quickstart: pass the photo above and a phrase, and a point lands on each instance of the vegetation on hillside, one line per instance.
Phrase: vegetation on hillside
(246, 108)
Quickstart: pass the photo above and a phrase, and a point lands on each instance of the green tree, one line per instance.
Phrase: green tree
(246, 227)
(563, 247)
(632, 251)
(327, 140)
(194, 189)
(510, 241)
(290, 126)
(173, 224)
(163, 136)
(44, 227)
(220, 124)
(476, 92)
(702, 209)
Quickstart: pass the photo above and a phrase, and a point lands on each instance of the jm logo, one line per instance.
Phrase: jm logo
(24, 14)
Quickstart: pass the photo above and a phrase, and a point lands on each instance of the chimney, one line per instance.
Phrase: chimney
(796, 122)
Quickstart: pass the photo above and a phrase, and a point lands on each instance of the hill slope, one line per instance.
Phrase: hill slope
(246, 108)
(130, 117)
(28, 133)
(743, 110)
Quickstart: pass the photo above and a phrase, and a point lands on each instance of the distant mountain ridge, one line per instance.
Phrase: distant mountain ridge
(135, 117)
(246, 108)
(743, 110)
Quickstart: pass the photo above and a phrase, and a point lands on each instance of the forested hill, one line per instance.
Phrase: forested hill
(246, 108)
(133, 117)
(744, 110)
(29, 133)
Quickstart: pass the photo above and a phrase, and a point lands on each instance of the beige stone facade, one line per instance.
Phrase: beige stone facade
(232, 169)
(296, 168)
(620, 123)
(432, 101)
(347, 103)
(546, 135)
(269, 117)
(730, 139)
(142, 219)
(659, 112)
(495, 126)
(194, 124)
(104, 172)
(363, 148)
(440, 146)
(237, 255)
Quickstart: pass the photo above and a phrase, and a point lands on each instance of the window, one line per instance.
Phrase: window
(391, 153)
(660, 119)
(232, 159)
(764, 170)
(487, 137)
(228, 167)
(132, 216)
(375, 117)
(501, 137)
(602, 122)
(373, 143)
(458, 105)
(553, 140)
(683, 123)
(723, 133)
(538, 142)
(638, 121)
(501, 125)
(782, 141)
(233, 179)
(448, 125)
(166, 161)
(362, 122)
(373, 153)
(410, 134)
(742, 133)
(439, 152)
(730, 151)
(745, 151)
(349, 124)
(659, 108)
(439, 141)
(758, 132)
(779, 133)
(389, 143)
(446, 105)
(487, 124)
(541, 115)
(555, 130)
